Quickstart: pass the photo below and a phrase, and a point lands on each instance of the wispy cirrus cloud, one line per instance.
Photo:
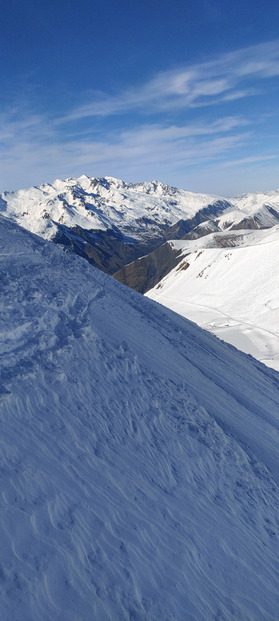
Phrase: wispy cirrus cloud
(226, 78)
(190, 155)
(248, 160)
(34, 148)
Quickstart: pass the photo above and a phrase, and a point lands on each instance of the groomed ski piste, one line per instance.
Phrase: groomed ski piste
(139, 454)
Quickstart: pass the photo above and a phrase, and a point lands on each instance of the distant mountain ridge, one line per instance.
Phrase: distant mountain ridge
(112, 223)
(105, 220)
(137, 210)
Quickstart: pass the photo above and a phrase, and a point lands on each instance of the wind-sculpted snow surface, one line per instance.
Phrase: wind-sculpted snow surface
(139, 454)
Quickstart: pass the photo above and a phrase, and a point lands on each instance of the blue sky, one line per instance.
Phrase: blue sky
(185, 92)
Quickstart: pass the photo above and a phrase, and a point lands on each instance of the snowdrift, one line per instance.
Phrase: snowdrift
(139, 454)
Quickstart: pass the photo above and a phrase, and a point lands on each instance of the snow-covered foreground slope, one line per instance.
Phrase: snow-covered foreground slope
(232, 291)
(139, 454)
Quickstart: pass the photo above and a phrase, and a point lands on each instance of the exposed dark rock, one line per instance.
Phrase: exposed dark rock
(145, 273)
(140, 265)
(108, 250)
(246, 223)
(183, 266)
(227, 241)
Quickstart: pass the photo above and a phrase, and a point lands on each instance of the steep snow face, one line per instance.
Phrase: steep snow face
(139, 454)
(232, 291)
(140, 210)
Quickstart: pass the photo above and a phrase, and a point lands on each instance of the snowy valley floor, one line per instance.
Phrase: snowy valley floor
(138, 454)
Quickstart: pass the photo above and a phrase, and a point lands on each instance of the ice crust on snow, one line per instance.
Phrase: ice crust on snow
(139, 454)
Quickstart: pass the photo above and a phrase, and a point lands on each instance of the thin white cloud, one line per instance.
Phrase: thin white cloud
(19, 124)
(34, 148)
(221, 79)
(36, 151)
(249, 160)
(241, 94)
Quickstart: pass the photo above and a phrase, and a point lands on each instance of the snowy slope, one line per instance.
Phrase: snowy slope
(231, 291)
(138, 210)
(139, 454)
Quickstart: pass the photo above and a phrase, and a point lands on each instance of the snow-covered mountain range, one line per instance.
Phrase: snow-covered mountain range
(133, 231)
(139, 453)
(137, 210)
(107, 221)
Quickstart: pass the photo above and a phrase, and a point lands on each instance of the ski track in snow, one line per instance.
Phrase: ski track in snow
(138, 454)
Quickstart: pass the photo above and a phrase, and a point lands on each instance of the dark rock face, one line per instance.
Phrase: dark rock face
(145, 273)
(246, 223)
(142, 264)
(108, 250)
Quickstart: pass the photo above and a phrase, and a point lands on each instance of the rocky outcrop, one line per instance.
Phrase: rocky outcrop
(108, 250)
(146, 272)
